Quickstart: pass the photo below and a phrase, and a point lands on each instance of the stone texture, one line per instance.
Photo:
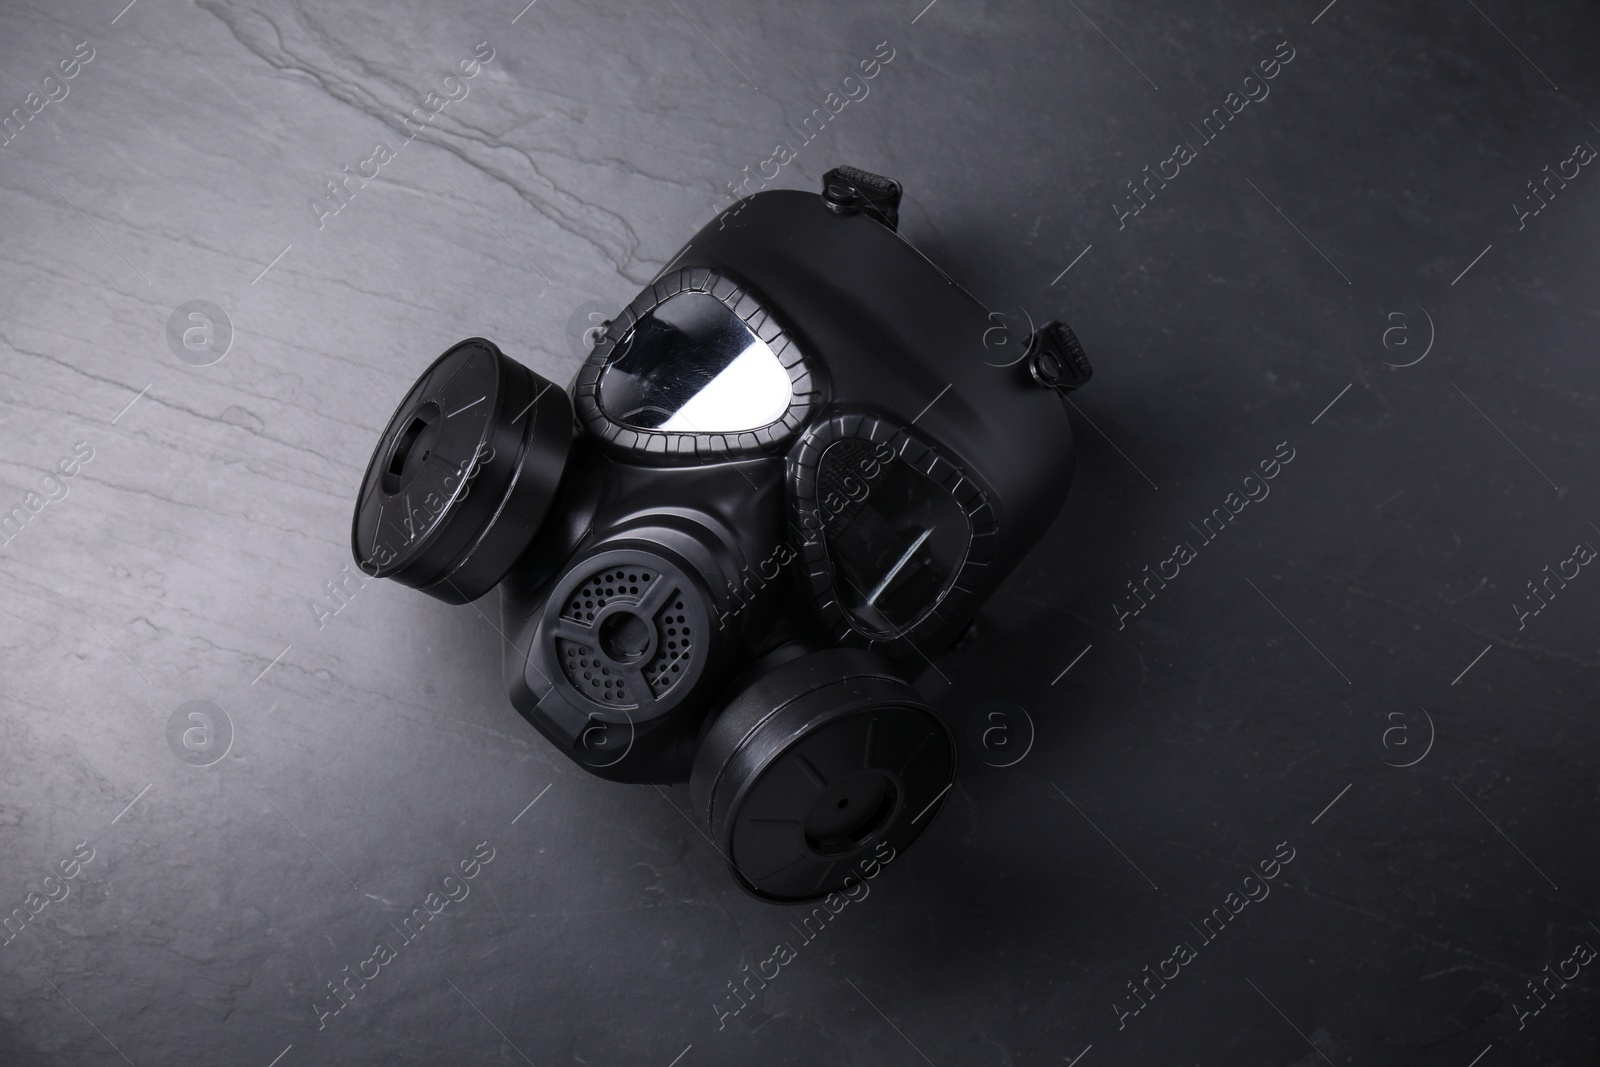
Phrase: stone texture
(1265, 281)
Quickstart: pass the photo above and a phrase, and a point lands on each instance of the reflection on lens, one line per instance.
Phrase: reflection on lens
(693, 366)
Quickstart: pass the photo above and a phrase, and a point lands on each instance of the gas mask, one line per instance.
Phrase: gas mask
(784, 480)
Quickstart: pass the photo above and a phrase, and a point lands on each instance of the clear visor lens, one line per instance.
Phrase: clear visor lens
(895, 537)
(693, 366)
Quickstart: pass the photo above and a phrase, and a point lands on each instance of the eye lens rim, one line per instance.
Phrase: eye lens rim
(806, 387)
(807, 513)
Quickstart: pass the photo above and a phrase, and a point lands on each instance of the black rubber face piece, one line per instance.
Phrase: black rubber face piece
(816, 764)
(463, 474)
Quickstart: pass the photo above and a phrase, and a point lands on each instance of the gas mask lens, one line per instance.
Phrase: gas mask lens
(895, 540)
(891, 527)
(693, 366)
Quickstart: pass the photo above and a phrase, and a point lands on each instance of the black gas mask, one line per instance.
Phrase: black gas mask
(786, 477)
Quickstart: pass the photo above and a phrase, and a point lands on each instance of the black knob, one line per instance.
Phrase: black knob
(1056, 360)
(849, 189)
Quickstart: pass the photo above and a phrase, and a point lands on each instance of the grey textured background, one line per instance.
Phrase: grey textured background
(1322, 640)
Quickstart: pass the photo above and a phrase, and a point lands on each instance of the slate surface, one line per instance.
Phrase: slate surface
(1371, 208)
